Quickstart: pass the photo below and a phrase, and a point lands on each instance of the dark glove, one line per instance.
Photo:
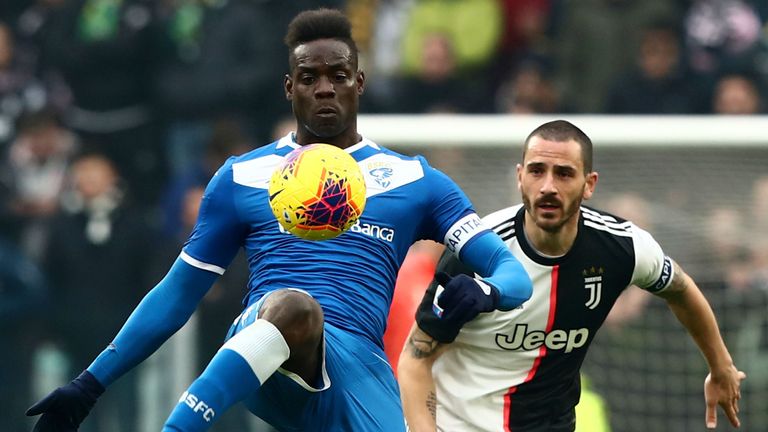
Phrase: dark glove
(66, 407)
(463, 298)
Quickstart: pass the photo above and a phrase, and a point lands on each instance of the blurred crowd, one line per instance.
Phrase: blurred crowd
(114, 114)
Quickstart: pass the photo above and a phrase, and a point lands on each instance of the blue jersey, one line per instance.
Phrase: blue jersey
(351, 276)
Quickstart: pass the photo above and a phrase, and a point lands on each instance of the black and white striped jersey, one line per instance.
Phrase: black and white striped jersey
(519, 370)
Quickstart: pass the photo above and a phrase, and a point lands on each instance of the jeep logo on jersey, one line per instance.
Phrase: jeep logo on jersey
(593, 282)
(554, 340)
(197, 405)
(382, 175)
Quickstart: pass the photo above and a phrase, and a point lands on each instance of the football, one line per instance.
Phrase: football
(317, 192)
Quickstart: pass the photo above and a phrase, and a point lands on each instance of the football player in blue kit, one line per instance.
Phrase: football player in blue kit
(306, 353)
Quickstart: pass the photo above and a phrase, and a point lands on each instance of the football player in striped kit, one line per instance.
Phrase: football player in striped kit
(519, 370)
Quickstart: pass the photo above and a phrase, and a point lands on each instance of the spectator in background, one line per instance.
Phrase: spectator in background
(463, 37)
(530, 90)
(103, 49)
(597, 40)
(97, 264)
(36, 170)
(473, 28)
(20, 91)
(720, 35)
(660, 82)
(31, 30)
(228, 138)
(437, 85)
(526, 34)
(23, 301)
(737, 94)
(217, 59)
(378, 26)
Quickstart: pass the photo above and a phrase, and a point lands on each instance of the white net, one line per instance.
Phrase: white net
(700, 185)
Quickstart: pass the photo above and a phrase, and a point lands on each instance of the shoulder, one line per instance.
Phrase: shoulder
(503, 219)
(385, 170)
(255, 167)
(603, 223)
(614, 233)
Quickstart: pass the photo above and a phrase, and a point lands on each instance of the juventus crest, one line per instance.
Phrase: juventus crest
(593, 282)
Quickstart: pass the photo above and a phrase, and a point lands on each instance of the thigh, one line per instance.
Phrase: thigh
(357, 391)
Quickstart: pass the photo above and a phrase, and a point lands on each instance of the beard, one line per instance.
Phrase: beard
(552, 224)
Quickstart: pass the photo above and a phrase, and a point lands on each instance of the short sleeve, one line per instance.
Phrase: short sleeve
(653, 269)
(219, 232)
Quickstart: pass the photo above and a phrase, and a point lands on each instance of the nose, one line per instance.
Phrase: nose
(548, 185)
(324, 88)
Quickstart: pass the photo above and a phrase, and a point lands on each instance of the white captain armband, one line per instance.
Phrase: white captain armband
(462, 231)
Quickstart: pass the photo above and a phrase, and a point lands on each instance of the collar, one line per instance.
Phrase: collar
(290, 141)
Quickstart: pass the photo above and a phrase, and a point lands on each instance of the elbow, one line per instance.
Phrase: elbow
(520, 293)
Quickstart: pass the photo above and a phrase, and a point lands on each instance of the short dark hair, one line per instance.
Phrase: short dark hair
(560, 131)
(317, 24)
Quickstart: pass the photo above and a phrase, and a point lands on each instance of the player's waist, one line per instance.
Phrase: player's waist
(347, 311)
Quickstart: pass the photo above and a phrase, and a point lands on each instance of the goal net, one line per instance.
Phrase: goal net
(700, 186)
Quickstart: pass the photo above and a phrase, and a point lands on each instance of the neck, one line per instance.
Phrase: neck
(552, 243)
(348, 138)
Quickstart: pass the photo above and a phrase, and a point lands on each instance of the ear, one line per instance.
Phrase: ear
(589, 187)
(288, 87)
(519, 177)
(360, 82)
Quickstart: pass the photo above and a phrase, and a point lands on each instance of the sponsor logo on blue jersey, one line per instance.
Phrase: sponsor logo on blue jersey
(375, 231)
(197, 405)
(372, 230)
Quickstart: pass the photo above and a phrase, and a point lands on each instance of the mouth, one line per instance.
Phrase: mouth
(326, 112)
(548, 206)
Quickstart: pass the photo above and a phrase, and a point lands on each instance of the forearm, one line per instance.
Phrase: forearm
(502, 269)
(160, 314)
(694, 312)
(417, 388)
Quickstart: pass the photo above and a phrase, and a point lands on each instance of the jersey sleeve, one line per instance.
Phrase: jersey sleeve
(653, 269)
(219, 232)
(454, 220)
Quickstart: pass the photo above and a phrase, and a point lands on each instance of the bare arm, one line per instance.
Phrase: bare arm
(692, 309)
(417, 388)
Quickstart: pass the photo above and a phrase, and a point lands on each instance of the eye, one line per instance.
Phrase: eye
(340, 77)
(307, 79)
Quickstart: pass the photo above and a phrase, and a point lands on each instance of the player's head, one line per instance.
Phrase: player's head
(556, 174)
(324, 83)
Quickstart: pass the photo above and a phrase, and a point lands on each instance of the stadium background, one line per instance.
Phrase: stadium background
(671, 91)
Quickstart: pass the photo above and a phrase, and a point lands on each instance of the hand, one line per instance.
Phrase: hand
(66, 407)
(723, 389)
(463, 298)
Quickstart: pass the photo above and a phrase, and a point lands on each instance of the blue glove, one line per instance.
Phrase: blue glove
(463, 298)
(66, 407)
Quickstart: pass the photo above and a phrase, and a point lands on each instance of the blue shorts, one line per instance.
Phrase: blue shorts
(356, 392)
